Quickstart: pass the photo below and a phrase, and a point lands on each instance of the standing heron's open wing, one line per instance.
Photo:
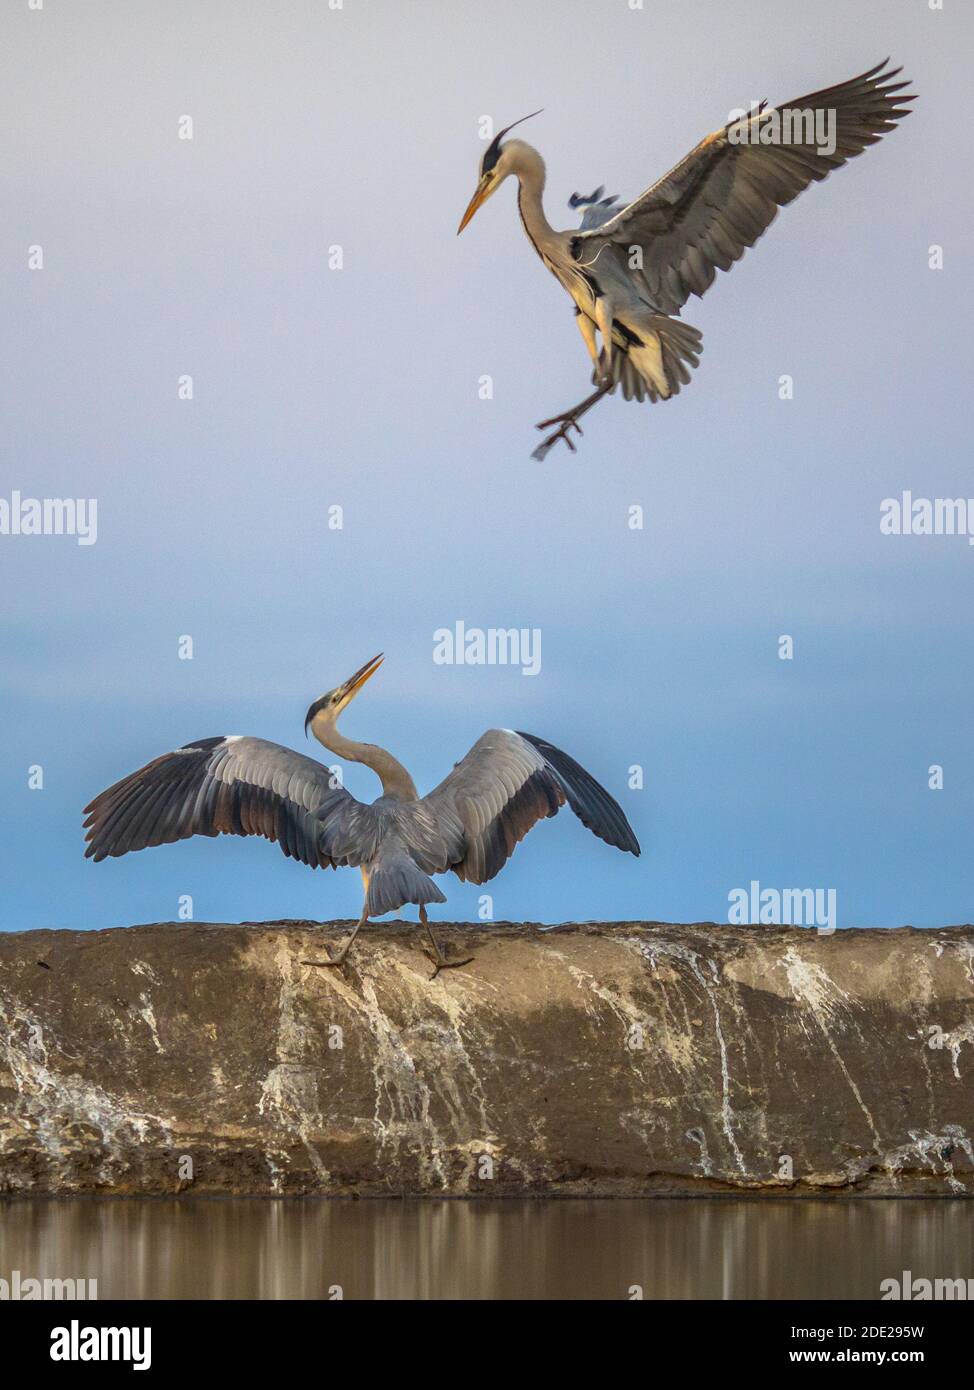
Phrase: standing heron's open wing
(230, 786)
(703, 214)
(506, 783)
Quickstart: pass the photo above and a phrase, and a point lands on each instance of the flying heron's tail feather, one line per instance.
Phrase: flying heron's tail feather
(659, 359)
(396, 880)
(682, 345)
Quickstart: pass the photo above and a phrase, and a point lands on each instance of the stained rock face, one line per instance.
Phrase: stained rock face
(629, 1058)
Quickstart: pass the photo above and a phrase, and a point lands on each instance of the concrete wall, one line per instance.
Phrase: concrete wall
(611, 1059)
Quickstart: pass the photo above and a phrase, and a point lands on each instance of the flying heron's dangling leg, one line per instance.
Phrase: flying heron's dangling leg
(568, 420)
(587, 329)
(439, 960)
(604, 317)
(340, 958)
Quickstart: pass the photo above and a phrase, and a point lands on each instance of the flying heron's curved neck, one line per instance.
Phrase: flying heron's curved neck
(395, 780)
(528, 165)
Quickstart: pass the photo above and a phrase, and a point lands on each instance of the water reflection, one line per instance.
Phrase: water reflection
(253, 1248)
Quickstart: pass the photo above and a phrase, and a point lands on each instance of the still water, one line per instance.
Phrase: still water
(565, 1249)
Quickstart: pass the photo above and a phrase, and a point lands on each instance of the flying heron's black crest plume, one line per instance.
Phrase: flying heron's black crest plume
(493, 152)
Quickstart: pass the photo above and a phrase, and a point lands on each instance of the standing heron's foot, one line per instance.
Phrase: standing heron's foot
(434, 954)
(340, 958)
(332, 960)
(440, 962)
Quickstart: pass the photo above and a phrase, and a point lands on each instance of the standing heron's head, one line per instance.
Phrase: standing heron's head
(495, 166)
(336, 700)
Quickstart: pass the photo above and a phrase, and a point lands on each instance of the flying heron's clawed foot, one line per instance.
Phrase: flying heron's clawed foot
(567, 422)
(440, 962)
(568, 418)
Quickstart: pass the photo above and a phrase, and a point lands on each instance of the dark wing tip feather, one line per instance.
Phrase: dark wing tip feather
(595, 808)
(148, 807)
(205, 789)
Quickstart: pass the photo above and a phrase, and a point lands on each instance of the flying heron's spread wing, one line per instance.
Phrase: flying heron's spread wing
(506, 783)
(703, 214)
(230, 786)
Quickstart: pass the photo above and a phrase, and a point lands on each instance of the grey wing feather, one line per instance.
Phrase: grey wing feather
(231, 786)
(703, 214)
(505, 785)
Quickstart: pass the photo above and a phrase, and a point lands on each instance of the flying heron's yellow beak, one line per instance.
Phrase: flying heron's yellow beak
(355, 683)
(484, 189)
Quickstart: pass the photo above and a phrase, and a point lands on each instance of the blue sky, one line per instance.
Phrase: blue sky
(359, 388)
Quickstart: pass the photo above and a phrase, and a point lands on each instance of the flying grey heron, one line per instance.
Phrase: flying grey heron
(469, 824)
(630, 270)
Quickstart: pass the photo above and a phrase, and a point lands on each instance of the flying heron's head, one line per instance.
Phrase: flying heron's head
(495, 166)
(335, 701)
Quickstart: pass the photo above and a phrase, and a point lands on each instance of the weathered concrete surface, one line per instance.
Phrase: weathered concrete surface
(629, 1058)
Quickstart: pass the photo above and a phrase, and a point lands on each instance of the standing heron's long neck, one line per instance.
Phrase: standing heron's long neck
(529, 168)
(395, 780)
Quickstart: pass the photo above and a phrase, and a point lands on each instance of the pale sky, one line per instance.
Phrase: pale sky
(316, 387)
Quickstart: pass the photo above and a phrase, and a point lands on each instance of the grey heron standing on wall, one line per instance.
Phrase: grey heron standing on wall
(469, 824)
(630, 270)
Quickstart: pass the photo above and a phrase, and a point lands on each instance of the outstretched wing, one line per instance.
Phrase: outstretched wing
(229, 786)
(703, 214)
(506, 783)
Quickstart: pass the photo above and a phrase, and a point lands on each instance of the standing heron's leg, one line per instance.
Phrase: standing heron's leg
(340, 958)
(439, 960)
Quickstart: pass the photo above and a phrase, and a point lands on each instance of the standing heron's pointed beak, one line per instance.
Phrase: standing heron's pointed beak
(354, 684)
(484, 189)
(336, 700)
